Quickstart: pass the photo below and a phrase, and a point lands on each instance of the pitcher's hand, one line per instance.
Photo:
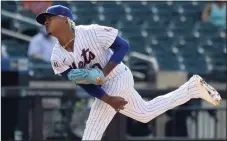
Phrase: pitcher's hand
(115, 102)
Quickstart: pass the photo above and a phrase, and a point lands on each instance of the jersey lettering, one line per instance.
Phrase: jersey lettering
(81, 64)
(88, 57)
(97, 65)
(73, 66)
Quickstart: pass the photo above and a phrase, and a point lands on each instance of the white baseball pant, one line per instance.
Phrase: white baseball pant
(144, 111)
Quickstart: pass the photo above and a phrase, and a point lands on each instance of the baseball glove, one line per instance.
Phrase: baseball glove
(87, 76)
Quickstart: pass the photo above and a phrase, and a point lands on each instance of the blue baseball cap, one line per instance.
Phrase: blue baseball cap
(54, 10)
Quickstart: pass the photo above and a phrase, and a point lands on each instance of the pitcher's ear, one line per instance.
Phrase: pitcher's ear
(66, 19)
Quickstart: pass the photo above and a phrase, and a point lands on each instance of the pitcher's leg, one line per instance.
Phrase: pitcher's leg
(101, 113)
(144, 111)
(99, 118)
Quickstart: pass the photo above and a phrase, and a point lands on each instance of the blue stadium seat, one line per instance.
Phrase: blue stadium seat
(161, 49)
(182, 25)
(110, 6)
(25, 28)
(105, 21)
(161, 38)
(189, 38)
(64, 3)
(188, 9)
(28, 14)
(40, 69)
(219, 38)
(82, 5)
(137, 43)
(155, 21)
(15, 48)
(134, 5)
(10, 6)
(84, 11)
(163, 9)
(127, 24)
(5, 22)
(215, 50)
(168, 61)
(207, 29)
(85, 17)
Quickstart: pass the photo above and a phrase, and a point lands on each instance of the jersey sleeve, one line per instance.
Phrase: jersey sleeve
(105, 35)
(58, 65)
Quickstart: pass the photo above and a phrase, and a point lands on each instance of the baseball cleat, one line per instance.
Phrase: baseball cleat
(208, 93)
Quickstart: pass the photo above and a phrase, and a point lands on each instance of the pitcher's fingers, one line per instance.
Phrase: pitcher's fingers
(117, 110)
(122, 108)
(120, 98)
(124, 102)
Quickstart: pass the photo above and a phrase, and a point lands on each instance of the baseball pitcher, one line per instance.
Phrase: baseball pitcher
(91, 57)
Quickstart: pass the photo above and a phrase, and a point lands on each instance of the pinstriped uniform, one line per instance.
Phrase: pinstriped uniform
(95, 40)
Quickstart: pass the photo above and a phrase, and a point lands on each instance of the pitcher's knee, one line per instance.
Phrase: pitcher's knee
(145, 121)
(145, 118)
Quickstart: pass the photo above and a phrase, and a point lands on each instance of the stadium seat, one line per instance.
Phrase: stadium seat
(181, 26)
(207, 29)
(15, 48)
(163, 9)
(23, 27)
(189, 9)
(5, 22)
(137, 43)
(156, 22)
(82, 5)
(85, 17)
(110, 6)
(64, 3)
(134, 5)
(189, 38)
(28, 14)
(168, 61)
(127, 25)
(10, 6)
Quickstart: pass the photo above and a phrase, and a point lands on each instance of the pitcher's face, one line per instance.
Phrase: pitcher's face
(54, 23)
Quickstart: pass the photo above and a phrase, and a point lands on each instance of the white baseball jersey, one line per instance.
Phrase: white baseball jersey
(91, 48)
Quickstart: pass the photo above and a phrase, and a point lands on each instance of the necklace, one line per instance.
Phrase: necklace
(68, 43)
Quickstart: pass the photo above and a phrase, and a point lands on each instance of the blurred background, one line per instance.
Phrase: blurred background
(170, 41)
